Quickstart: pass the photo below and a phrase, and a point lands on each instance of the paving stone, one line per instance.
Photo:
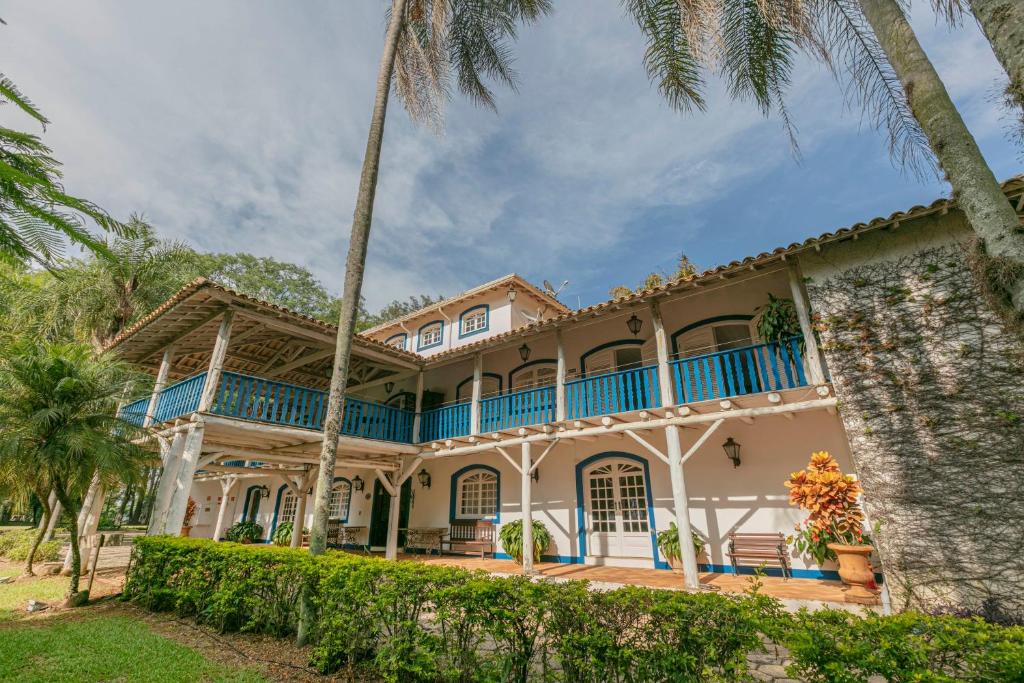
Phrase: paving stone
(773, 670)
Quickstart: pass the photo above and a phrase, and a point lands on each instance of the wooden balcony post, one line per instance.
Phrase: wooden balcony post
(161, 382)
(416, 419)
(220, 352)
(682, 507)
(560, 378)
(803, 314)
(527, 504)
(182, 486)
(226, 485)
(661, 344)
(474, 408)
(171, 455)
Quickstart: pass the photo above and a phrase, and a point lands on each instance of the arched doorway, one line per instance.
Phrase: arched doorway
(615, 509)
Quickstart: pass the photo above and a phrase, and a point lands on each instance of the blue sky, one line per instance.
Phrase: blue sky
(239, 125)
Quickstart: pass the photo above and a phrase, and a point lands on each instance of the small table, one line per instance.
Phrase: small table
(425, 538)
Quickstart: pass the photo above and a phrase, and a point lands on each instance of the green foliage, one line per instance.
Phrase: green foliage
(511, 537)
(777, 320)
(16, 544)
(283, 533)
(668, 542)
(832, 646)
(685, 268)
(244, 532)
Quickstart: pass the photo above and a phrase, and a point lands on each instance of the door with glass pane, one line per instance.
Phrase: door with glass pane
(616, 510)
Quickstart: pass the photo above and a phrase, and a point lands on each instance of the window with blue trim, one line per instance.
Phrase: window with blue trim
(341, 498)
(476, 494)
(397, 340)
(474, 320)
(430, 335)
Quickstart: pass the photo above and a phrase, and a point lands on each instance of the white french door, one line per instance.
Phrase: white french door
(616, 510)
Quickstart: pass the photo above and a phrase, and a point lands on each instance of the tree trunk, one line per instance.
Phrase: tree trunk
(1003, 24)
(354, 266)
(76, 552)
(974, 186)
(41, 531)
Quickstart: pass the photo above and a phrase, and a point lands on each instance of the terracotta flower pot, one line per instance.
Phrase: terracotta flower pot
(855, 571)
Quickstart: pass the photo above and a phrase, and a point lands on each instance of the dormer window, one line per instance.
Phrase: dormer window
(431, 334)
(473, 320)
(397, 340)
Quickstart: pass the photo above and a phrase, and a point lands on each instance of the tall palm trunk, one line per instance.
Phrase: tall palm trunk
(354, 266)
(1003, 24)
(76, 552)
(974, 186)
(40, 532)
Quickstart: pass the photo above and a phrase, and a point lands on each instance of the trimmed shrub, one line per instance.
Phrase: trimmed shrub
(16, 544)
(244, 532)
(837, 647)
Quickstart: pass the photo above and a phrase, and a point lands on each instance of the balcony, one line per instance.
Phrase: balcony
(723, 374)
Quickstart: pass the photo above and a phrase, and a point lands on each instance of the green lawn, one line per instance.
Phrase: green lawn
(15, 596)
(103, 648)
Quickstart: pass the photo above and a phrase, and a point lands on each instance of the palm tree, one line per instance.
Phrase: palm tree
(58, 420)
(427, 42)
(36, 214)
(871, 43)
(19, 486)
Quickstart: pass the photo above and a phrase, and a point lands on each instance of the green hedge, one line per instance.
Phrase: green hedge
(405, 621)
(16, 543)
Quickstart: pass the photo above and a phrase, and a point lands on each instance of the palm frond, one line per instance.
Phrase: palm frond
(671, 61)
(10, 93)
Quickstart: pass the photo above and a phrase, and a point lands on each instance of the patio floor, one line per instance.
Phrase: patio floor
(817, 590)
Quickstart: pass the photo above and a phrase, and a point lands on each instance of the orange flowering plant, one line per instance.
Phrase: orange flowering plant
(831, 499)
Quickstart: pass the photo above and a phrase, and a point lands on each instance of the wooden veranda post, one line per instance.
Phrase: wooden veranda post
(803, 314)
(525, 464)
(474, 410)
(226, 485)
(418, 408)
(560, 377)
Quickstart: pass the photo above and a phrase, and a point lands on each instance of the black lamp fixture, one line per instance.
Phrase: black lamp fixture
(634, 324)
(424, 478)
(732, 451)
(535, 475)
(524, 352)
(263, 491)
(389, 387)
(512, 293)
(357, 483)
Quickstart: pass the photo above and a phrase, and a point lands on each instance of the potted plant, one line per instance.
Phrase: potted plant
(244, 532)
(834, 530)
(190, 513)
(283, 533)
(511, 536)
(668, 543)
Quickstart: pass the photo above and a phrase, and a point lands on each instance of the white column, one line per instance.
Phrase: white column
(226, 485)
(182, 486)
(803, 314)
(56, 508)
(560, 410)
(391, 548)
(661, 344)
(172, 462)
(161, 382)
(527, 505)
(682, 507)
(92, 522)
(474, 408)
(304, 481)
(220, 352)
(418, 408)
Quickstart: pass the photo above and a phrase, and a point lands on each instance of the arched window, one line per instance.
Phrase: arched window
(536, 373)
(430, 335)
(622, 354)
(474, 320)
(399, 340)
(341, 498)
(288, 507)
(713, 334)
(490, 385)
(476, 493)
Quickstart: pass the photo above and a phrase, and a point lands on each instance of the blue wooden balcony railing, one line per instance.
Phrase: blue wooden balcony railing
(179, 399)
(527, 407)
(445, 422)
(135, 412)
(376, 421)
(746, 370)
(613, 392)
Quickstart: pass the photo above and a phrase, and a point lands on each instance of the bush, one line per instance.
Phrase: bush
(838, 647)
(244, 532)
(668, 543)
(511, 536)
(405, 621)
(283, 534)
(16, 544)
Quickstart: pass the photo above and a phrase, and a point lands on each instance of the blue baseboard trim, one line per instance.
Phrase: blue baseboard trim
(826, 574)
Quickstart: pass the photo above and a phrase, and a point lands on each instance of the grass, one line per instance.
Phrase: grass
(15, 596)
(103, 648)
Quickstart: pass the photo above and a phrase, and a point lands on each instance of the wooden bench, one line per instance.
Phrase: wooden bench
(760, 547)
(471, 537)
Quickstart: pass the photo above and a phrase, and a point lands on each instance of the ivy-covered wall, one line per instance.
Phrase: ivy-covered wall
(931, 391)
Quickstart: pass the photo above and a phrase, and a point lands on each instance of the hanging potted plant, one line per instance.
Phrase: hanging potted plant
(190, 513)
(511, 536)
(835, 528)
(668, 543)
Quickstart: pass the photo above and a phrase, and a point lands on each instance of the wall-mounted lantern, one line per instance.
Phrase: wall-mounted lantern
(357, 483)
(389, 387)
(512, 293)
(424, 478)
(263, 491)
(535, 475)
(524, 352)
(732, 451)
(634, 324)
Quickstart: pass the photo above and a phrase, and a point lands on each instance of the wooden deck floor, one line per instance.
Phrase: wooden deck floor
(784, 589)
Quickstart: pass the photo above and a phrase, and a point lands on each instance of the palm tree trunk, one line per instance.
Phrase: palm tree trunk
(354, 265)
(1003, 24)
(76, 552)
(974, 186)
(41, 531)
